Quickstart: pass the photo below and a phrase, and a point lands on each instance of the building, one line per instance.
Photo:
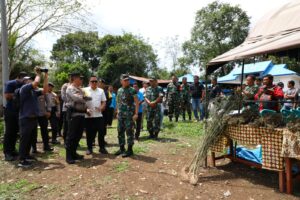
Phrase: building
(259, 69)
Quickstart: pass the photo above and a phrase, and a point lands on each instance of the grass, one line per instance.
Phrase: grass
(140, 149)
(17, 189)
(121, 167)
(186, 129)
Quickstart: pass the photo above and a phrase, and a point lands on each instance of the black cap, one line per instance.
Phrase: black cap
(101, 80)
(22, 74)
(124, 77)
(51, 84)
(74, 74)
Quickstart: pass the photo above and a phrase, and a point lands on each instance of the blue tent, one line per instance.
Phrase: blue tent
(190, 78)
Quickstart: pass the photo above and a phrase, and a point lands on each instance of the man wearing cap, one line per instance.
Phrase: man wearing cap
(185, 99)
(153, 98)
(76, 110)
(29, 111)
(127, 109)
(11, 117)
(94, 121)
(173, 98)
(54, 111)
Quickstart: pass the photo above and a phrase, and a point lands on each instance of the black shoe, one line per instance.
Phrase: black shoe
(15, 154)
(155, 136)
(24, 164)
(170, 119)
(176, 120)
(31, 158)
(55, 142)
(120, 151)
(70, 161)
(103, 151)
(78, 157)
(128, 153)
(9, 157)
(89, 152)
(49, 149)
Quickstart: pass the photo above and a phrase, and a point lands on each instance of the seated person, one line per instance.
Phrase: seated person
(269, 94)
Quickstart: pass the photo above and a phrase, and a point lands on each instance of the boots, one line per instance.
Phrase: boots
(156, 135)
(176, 119)
(190, 117)
(69, 157)
(120, 151)
(170, 119)
(129, 152)
(151, 135)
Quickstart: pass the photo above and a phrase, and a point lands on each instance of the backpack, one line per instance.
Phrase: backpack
(16, 99)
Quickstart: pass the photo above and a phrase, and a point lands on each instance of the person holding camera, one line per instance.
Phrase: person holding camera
(76, 110)
(29, 111)
(11, 116)
(269, 94)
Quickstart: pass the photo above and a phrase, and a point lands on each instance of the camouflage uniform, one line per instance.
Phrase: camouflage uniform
(126, 109)
(250, 105)
(173, 98)
(153, 114)
(185, 101)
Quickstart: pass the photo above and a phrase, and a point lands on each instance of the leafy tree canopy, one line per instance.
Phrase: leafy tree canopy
(218, 28)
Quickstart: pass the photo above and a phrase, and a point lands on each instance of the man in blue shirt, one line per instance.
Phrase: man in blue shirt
(29, 111)
(140, 96)
(11, 117)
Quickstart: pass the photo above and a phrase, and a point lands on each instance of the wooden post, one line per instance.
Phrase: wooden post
(281, 180)
(213, 159)
(288, 172)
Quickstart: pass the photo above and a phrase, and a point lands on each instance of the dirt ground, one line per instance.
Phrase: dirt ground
(153, 173)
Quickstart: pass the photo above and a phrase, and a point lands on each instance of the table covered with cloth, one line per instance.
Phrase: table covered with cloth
(272, 141)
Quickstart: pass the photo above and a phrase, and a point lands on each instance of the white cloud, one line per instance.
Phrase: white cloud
(155, 19)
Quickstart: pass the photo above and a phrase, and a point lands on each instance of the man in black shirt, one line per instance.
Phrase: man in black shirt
(215, 90)
(197, 97)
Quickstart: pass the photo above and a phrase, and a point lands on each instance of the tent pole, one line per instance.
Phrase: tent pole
(206, 94)
(242, 80)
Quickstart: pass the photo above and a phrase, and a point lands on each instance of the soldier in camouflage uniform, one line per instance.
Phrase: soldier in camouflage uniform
(173, 98)
(185, 99)
(127, 109)
(153, 97)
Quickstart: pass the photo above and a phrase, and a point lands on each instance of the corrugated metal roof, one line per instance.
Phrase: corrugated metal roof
(254, 67)
(280, 70)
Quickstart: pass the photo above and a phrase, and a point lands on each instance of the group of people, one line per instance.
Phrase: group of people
(264, 94)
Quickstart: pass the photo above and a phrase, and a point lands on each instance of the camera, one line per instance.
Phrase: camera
(44, 70)
(38, 69)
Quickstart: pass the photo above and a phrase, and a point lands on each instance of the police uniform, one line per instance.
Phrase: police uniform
(76, 109)
(153, 113)
(126, 111)
(185, 101)
(173, 98)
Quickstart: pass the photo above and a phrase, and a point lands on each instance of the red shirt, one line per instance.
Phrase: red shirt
(273, 93)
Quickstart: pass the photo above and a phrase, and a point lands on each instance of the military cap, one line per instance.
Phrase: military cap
(124, 77)
(51, 84)
(152, 78)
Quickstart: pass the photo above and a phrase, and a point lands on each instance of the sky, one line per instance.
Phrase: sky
(154, 20)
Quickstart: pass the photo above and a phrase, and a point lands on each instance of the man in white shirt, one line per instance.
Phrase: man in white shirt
(94, 120)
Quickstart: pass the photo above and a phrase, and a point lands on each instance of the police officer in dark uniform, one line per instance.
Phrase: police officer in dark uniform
(11, 117)
(76, 110)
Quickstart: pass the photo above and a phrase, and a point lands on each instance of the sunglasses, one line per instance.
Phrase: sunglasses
(94, 81)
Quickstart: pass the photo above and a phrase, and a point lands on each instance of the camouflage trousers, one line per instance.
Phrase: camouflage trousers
(153, 120)
(186, 107)
(125, 125)
(174, 104)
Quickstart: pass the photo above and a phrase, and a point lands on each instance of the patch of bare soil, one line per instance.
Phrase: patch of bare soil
(153, 173)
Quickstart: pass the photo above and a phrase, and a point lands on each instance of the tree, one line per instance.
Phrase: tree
(172, 50)
(75, 52)
(218, 28)
(125, 54)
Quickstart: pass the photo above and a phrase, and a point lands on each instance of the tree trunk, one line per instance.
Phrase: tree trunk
(1, 91)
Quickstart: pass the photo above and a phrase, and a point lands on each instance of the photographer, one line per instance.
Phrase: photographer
(269, 94)
(76, 110)
(29, 111)
(11, 116)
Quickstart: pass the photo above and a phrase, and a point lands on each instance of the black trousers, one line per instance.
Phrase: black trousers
(65, 125)
(28, 128)
(110, 116)
(138, 125)
(54, 124)
(105, 120)
(11, 120)
(43, 123)
(94, 126)
(76, 126)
